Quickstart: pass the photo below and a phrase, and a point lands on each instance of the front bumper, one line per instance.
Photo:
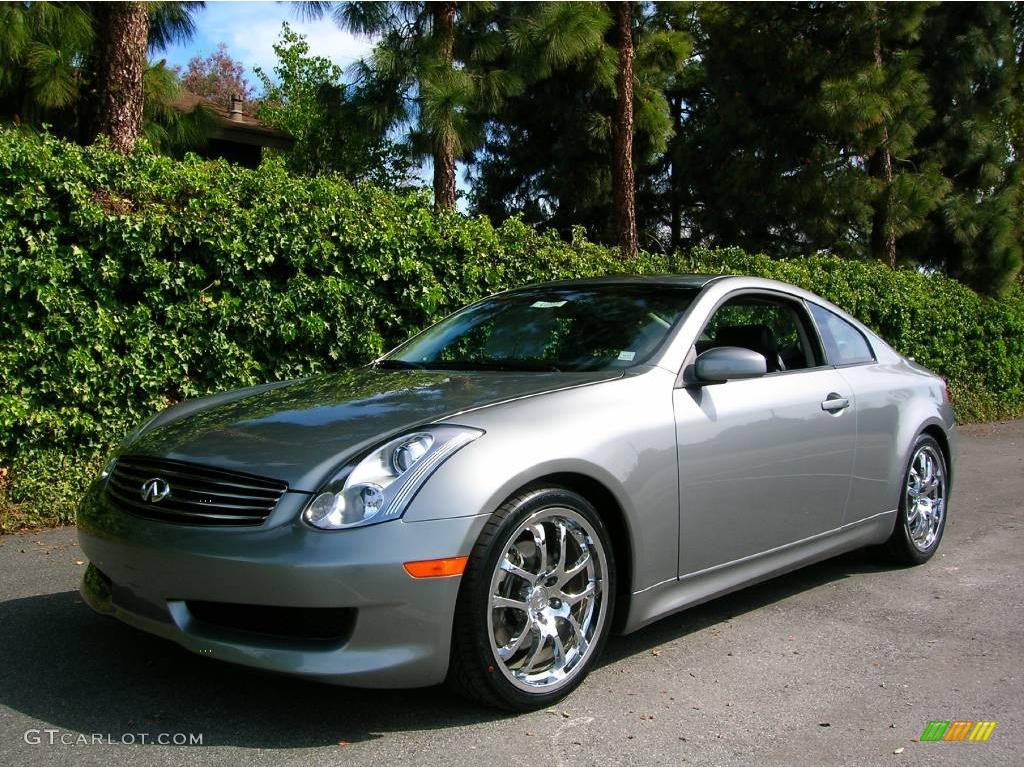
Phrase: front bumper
(147, 573)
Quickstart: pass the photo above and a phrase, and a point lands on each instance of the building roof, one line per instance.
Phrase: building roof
(234, 125)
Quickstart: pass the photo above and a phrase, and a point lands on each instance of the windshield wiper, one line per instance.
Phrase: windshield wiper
(392, 363)
(498, 365)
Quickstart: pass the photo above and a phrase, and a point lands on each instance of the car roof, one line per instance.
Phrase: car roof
(675, 280)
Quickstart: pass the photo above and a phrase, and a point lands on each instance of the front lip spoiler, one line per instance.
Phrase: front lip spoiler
(97, 592)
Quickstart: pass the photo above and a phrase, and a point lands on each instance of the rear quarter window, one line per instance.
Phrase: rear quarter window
(844, 344)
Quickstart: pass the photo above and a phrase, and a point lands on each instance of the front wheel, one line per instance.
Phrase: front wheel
(922, 511)
(536, 600)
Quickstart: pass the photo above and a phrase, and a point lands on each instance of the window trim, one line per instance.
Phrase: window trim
(824, 347)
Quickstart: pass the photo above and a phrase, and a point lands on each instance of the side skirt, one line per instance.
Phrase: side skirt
(650, 604)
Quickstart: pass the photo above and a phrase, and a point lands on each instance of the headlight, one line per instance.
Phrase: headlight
(380, 486)
(108, 469)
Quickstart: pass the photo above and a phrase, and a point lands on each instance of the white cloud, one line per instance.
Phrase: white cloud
(250, 30)
(254, 45)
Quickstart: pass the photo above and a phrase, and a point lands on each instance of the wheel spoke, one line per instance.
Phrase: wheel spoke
(928, 468)
(530, 663)
(572, 599)
(912, 513)
(578, 567)
(506, 652)
(560, 659)
(509, 567)
(581, 639)
(499, 601)
(563, 534)
(541, 542)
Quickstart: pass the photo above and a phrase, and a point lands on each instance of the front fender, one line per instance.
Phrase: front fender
(619, 434)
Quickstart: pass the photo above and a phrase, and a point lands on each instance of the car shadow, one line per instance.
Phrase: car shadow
(745, 600)
(69, 668)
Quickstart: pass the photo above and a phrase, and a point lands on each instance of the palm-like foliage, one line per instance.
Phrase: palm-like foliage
(165, 127)
(42, 46)
(431, 73)
(49, 52)
(171, 22)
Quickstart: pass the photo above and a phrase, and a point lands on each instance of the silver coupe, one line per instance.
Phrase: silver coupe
(485, 503)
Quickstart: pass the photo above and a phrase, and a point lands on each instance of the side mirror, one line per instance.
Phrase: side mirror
(727, 363)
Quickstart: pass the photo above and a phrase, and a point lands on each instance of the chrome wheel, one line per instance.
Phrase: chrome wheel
(547, 603)
(926, 497)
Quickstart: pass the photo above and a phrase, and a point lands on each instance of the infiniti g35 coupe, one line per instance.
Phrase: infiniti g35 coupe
(485, 503)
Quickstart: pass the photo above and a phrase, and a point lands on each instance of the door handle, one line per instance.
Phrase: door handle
(835, 403)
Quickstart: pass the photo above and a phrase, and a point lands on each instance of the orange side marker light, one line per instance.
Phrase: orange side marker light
(430, 569)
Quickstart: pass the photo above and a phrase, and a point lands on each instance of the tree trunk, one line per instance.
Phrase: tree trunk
(675, 179)
(444, 149)
(623, 182)
(883, 240)
(123, 36)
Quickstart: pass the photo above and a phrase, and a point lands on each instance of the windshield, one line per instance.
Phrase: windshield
(583, 328)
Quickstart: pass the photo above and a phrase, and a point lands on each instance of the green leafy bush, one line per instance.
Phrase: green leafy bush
(128, 284)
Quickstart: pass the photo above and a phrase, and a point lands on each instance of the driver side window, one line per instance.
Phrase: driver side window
(777, 329)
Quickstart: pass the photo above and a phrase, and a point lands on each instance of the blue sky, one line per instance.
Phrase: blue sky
(250, 30)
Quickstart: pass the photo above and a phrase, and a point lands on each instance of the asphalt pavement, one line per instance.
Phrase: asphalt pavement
(843, 662)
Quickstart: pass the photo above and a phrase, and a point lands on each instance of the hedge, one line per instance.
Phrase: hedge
(131, 283)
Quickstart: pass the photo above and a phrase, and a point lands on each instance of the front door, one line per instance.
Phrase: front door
(763, 462)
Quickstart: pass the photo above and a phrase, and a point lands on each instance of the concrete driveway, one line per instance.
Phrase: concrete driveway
(843, 662)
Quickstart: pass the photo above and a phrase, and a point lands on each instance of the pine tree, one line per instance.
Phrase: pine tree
(878, 107)
(762, 169)
(550, 153)
(971, 56)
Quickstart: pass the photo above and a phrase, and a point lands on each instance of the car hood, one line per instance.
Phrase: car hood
(301, 431)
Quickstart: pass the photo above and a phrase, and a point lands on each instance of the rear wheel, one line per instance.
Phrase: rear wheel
(536, 600)
(922, 512)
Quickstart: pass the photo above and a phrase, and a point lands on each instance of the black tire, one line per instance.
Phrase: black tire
(475, 670)
(901, 547)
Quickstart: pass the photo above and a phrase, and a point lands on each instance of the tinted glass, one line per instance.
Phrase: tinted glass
(844, 343)
(550, 329)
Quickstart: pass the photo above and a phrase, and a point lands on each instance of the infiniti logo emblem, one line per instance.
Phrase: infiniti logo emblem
(154, 490)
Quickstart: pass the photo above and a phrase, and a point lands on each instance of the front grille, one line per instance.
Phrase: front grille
(199, 495)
